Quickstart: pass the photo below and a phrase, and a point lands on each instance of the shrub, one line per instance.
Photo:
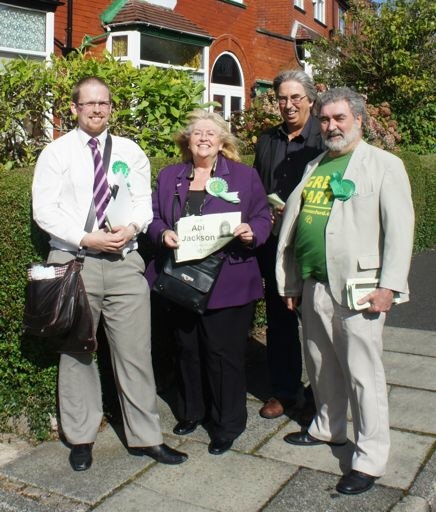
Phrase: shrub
(248, 124)
(381, 129)
(149, 103)
(27, 372)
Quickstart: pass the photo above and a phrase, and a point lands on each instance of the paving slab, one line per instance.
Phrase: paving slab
(333, 459)
(314, 491)
(410, 370)
(232, 482)
(408, 452)
(19, 497)
(258, 428)
(12, 502)
(425, 484)
(11, 447)
(412, 409)
(135, 498)
(409, 341)
(411, 504)
(47, 467)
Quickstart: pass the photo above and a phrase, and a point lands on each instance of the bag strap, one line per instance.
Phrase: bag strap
(175, 198)
(107, 152)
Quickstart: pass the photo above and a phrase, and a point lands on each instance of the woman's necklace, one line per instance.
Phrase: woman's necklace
(194, 203)
(197, 190)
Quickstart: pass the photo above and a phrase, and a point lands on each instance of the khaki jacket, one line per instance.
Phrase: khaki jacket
(369, 235)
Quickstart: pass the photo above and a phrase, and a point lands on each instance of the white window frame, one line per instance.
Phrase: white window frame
(341, 20)
(134, 56)
(228, 90)
(12, 53)
(299, 4)
(319, 10)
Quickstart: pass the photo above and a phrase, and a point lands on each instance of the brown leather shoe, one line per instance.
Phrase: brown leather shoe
(272, 408)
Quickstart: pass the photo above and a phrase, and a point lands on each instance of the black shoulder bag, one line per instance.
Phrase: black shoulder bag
(189, 283)
(56, 303)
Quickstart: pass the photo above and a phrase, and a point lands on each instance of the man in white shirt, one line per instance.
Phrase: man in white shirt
(112, 274)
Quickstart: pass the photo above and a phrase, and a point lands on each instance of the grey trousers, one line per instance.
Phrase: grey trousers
(117, 291)
(343, 351)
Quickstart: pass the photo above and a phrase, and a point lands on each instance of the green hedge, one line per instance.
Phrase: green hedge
(27, 368)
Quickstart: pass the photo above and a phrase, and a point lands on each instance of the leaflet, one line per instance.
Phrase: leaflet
(275, 201)
(119, 209)
(358, 287)
(201, 235)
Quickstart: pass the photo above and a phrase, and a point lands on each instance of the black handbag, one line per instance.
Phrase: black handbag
(57, 307)
(189, 283)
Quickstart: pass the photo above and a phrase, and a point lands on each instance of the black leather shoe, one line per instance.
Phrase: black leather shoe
(355, 482)
(81, 457)
(219, 446)
(185, 427)
(163, 454)
(305, 439)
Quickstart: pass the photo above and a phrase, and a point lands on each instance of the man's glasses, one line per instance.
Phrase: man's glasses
(295, 100)
(104, 105)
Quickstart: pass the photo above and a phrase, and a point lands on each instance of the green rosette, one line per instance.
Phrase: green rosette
(341, 189)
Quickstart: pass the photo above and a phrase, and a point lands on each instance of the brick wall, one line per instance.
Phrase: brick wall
(261, 56)
(86, 21)
(257, 34)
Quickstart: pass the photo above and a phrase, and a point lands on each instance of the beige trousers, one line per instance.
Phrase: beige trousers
(343, 351)
(117, 291)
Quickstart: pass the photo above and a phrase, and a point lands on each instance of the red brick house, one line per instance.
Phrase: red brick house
(234, 46)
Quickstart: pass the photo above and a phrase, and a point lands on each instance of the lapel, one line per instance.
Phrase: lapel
(353, 172)
(221, 171)
(354, 169)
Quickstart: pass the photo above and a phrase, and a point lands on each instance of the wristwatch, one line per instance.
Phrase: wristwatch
(136, 228)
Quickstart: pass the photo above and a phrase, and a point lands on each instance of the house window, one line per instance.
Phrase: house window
(175, 53)
(319, 10)
(25, 32)
(299, 4)
(226, 86)
(341, 20)
(120, 46)
(226, 71)
(142, 50)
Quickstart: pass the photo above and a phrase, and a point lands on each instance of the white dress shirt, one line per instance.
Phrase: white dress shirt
(63, 186)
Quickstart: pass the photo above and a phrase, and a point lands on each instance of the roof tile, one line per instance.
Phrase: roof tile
(137, 11)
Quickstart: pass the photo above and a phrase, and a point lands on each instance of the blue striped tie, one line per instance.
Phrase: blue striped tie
(101, 187)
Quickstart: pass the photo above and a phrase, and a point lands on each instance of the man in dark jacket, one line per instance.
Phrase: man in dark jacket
(282, 153)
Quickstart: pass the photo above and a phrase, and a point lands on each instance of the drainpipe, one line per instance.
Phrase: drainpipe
(68, 48)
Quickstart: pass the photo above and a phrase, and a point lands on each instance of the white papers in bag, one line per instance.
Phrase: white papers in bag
(358, 287)
(201, 235)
